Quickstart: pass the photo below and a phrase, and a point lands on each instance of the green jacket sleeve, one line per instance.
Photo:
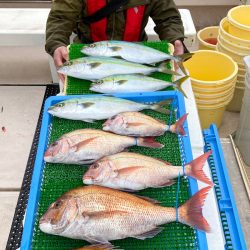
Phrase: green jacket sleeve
(61, 22)
(167, 19)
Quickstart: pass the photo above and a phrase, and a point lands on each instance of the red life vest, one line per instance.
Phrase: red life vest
(134, 18)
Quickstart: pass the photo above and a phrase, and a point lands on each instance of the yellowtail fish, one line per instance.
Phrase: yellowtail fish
(90, 109)
(86, 146)
(132, 52)
(138, 124)
(94, 68)
(134, 83)
(133, 172)
(99, 215)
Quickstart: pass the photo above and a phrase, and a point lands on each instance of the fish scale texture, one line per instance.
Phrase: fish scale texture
(60, 178)
(78, 86)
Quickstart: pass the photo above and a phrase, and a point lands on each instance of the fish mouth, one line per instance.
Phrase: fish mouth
(88, 180)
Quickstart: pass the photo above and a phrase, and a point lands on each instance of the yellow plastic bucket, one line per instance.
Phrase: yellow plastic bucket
(215, 94)
(211, 114)
(232, 46)
(208, 38)
(240, 78)
(236, 103)
(239, 21)
(242, 70)
(211, 68)
(240, 84)
(215, 101)
(224, 26)
(237, 57)
(209, 88)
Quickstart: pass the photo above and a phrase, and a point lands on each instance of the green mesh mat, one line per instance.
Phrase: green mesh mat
(77, 86)
(60, 178)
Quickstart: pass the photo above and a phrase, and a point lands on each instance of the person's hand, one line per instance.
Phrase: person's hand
(60, 56)
(178, 48)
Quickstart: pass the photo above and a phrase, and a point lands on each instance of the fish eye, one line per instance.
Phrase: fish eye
(57, 204)
(60, 105)
(54, 144)
(95, 166)
(99, 82)
(92, 45)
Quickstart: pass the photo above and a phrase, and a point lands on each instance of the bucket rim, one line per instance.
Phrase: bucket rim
(204, 42)
(236, 23)
(224, 20)
(218, 82)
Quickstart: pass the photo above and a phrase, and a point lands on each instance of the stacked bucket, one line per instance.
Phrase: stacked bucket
(213, 75)
(234, 40)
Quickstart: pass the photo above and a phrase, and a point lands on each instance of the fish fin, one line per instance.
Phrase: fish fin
(121, 82)
(94, 65)
(178, 84)
(115, 48)
(166, 162)
(178, 126)
(163, 68)
(159, 106)
(128, 170)
(196, 168)
(168, 183)
(190, 213)
(150, 234)
(88, 121)
(104, 247)
(86, 104)
(81, 144)
(134, 124)
(149, 142)
(183, 58)
(153, 201)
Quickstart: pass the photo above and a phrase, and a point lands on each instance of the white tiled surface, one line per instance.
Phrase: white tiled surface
(21, 108)
(7, 209)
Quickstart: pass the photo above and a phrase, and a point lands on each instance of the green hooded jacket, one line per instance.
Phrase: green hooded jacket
(66, 15)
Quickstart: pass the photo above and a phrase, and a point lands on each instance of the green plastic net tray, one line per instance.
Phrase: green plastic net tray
(60, 178)
(76, 86)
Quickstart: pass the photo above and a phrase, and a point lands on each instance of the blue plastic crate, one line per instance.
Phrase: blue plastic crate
(228, 211)
(185, 148)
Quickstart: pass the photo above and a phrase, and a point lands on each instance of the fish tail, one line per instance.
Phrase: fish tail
(190, 213)
(178, 127)
(163, 69)
(178, 84)
(149, 142)
(195, 168)
(159, 107)
(182, 58)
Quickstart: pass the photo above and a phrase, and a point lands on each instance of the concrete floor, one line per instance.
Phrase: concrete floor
(21, 107)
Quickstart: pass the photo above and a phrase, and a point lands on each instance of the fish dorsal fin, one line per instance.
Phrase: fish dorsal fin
(166, 184)
(116, 48)
(150, 234)
(153, 201)
(94, 65)
(81, 144)
(120, 82)
(160, 121)
(128, 170)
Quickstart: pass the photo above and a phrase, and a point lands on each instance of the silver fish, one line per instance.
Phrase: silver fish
(132, 52)
(94, 68)
(99, 215)
(133, 172)
(133, 83)
(85, 146)
(138, 124)
(90, 109)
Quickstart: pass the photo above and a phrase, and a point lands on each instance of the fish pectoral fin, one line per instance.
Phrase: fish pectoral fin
(86, 104)
(135, 124)
(116, 48)
(165, 184)
(81, 144)
(128, 170)
(153, 201)
(150, 234)
(94, 65)
(121, 82)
